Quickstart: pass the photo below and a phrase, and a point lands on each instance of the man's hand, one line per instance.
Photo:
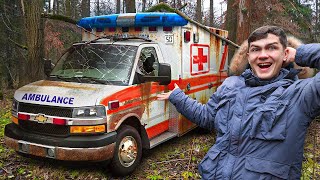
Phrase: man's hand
(165, 96)
(290, 57)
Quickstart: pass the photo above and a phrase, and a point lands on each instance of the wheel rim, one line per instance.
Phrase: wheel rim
(128, 151)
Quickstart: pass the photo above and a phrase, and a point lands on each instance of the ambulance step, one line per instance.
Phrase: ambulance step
(162, 138)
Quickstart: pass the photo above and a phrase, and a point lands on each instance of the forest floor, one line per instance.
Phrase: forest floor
(175, 159)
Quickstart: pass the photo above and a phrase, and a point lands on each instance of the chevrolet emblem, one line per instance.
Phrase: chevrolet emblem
(41, 118)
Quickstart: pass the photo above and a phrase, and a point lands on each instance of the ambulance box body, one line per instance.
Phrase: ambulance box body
(99, 101)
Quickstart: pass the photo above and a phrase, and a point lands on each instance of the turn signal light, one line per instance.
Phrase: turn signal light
(87, 129)
(14, 120)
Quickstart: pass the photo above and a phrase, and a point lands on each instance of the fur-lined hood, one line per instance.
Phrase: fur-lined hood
(239, 61)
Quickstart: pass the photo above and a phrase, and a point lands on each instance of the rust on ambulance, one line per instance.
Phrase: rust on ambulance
(99, 101)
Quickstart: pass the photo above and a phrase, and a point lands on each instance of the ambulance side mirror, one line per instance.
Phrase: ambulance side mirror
(164, 75)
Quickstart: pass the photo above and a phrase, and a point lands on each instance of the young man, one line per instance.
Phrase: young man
(261, 117)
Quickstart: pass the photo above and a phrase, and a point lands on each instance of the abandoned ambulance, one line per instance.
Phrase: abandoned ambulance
(99, 101)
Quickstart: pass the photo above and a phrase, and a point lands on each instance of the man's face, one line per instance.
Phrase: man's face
(266, 57)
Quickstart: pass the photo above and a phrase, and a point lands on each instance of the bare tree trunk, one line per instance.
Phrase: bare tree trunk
(74, 9)
(58, 6)
(34, 36)
(68, 8)
(143, 5)
(244, 20)
(54, 6)
(211, 13)
(85, 8)
(231, 25)
(317, 18)
(118, 6)
(49, 6)
(98, 7)
(130, 6)
(198, 12)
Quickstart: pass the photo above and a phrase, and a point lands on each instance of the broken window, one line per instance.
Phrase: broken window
(148, 64)
(97, 63)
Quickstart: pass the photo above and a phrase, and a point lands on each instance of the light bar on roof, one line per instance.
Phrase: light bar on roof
(98, 21)
(159, 19)
(133, 20)
(126, 20)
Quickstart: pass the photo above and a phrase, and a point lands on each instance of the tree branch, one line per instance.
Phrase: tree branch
(163, 6)
(19, 45)
(59, 17)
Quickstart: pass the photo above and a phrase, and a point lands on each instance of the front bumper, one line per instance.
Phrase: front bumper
(72, 148)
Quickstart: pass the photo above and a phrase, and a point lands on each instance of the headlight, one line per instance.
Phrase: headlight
(15, 105)
(90, 111)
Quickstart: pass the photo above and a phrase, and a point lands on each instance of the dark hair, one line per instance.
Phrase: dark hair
(262, 32)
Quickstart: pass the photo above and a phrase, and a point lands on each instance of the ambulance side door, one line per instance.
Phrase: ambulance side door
(155, 117)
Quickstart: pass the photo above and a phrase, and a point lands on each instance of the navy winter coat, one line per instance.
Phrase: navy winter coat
(260, 125)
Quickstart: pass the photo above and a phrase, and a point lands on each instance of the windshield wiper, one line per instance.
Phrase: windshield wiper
(93, 79)
(59, 77)
(69, 79)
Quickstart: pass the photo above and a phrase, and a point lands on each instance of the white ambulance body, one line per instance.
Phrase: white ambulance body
(99, 102)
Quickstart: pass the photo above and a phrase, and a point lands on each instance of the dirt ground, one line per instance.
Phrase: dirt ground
(175, 159)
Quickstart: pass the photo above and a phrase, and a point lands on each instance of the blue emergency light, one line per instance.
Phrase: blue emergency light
(99, 21)
(139, 20)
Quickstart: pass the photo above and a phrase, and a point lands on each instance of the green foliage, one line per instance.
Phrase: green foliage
(187, 174)
(299, 13)
(74, 174)
(5, 115)
(154, 176)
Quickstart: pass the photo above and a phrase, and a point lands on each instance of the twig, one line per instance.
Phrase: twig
(5, 170)
(190, 155)
(173, 160)
(166, 7)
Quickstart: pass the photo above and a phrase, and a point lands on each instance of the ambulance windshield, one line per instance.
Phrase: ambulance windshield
(96, 63)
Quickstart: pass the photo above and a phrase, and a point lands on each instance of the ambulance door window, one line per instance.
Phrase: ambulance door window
(148, 64)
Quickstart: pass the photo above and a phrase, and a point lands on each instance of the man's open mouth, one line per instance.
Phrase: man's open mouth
(264, 65)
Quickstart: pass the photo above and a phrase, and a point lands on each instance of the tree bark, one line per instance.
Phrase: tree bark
(244, 20)
(231, 21)
(143, 5)
(34, 36)
(130, 6)
(198, 12)
(211, 13)
(85, 8)
(118, 7)
(98, 7)
(54, 9)
(68, 8)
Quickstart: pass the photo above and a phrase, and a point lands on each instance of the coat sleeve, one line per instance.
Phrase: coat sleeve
(201, 114)
(309, 55)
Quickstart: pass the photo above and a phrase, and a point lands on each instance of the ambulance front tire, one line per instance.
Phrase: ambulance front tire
(128, 151)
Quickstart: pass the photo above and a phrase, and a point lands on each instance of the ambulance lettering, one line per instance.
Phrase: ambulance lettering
(199, 59)
(48, 98)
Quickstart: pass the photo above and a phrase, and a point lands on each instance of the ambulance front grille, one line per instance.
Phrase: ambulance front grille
(47, 110)
(44, 129)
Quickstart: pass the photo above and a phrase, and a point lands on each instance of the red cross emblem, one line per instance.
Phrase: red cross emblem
(200, 59)
(199, 55)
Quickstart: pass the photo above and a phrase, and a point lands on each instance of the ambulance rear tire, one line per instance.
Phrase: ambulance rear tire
(128, 151)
